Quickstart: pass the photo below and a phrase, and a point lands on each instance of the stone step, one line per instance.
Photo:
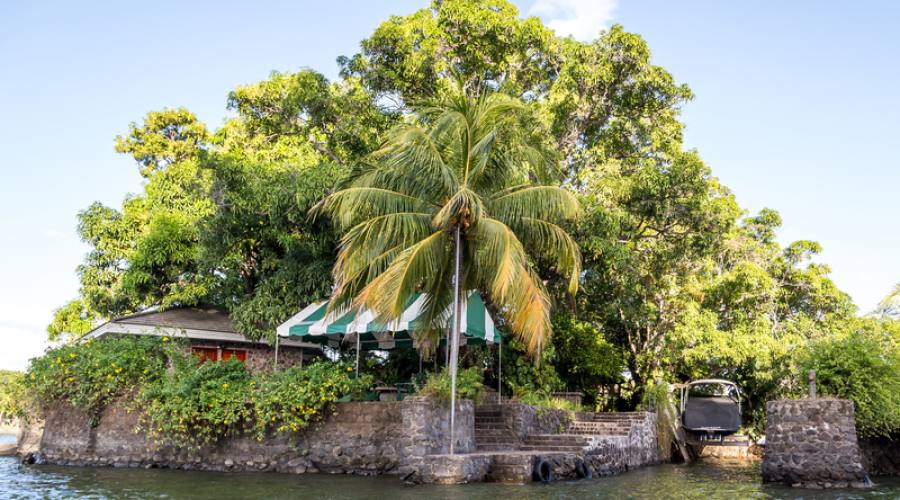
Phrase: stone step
(570, 449)
(492, 432)
(556, 440)
(496, 447)
(492, 419)
(495, 439)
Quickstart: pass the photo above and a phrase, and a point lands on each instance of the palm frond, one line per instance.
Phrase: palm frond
(552, 244)
(538, 202)
(348, 207)
(367, 249)
(412, 269)
(501, 266)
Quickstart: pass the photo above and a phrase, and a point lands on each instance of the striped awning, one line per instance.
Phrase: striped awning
(314, 324)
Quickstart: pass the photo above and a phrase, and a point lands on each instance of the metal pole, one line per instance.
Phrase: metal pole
(500, 371)
(357, 355)
(454, 344)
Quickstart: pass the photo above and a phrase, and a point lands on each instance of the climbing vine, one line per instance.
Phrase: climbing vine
(88, 374)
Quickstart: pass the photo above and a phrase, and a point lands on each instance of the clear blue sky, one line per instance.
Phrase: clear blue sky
(796, 110)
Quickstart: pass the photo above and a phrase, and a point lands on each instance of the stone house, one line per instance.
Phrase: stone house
(211, 336)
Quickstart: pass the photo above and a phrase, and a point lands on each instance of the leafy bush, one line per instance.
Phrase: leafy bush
(542, 399)
(195, 405)
(862, 365)
(12, 394)
(294, 398)
(658, 397)
(534, 374)
(87, 374)
(468, 385)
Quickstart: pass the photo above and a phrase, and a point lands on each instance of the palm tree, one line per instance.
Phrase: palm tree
(889, 307)
(449, 204)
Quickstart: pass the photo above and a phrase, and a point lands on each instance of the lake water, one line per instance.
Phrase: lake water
(700, 481)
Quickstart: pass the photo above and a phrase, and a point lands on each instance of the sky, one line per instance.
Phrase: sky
(796, 109)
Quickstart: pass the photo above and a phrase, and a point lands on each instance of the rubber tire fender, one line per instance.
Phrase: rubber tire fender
(583, 470)
(542, 471)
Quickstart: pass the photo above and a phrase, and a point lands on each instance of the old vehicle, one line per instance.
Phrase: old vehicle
(711, 408)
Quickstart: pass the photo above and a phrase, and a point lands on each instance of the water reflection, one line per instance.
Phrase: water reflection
(704, 481)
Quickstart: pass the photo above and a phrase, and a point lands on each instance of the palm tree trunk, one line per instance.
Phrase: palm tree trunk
(454, 340)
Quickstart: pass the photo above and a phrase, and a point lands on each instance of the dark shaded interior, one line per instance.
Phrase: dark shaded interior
(716, 412)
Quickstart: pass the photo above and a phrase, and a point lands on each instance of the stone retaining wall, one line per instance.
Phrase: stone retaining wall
(881, 456)
(524, 420)
(812, 443)
(359, 438)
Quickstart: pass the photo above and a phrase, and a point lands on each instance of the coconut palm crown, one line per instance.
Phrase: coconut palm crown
(465, 164)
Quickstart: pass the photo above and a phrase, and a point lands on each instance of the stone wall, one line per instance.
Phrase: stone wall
(881, 456)
(426, 423)
(359, 438)
(614, 454)
(812, 443)
(524, 420)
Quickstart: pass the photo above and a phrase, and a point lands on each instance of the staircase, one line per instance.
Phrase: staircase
(491, 431)
(605, 424)
(555, 442)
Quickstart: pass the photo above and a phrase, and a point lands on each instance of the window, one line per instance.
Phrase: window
(205, 354)
(239, 354)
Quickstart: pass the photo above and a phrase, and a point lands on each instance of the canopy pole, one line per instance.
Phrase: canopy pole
(454, 343)
(500, 372)
(357, 355)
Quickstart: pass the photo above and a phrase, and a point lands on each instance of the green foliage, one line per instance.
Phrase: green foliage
(543, 399)
(72, 320)
(166, 137)
(88, 374)
(468, 385)
(196, 404)
(292, 399)
(524, 374)
(861, 364)
(658, 397)
(584, 357)
(12, 394)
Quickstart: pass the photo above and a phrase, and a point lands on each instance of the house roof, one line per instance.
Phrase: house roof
(188, 318)
(195, 323)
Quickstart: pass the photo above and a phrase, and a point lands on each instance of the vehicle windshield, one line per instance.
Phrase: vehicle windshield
(713, 390)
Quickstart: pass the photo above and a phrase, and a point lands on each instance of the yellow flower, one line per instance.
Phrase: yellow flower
(165, 339)
(349, 368)
(225, 386)
(273, 418)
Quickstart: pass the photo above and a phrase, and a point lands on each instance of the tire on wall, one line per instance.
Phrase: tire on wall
(542, 470)
(583, 470)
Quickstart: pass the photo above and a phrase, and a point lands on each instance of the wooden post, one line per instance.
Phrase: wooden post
(812, 384)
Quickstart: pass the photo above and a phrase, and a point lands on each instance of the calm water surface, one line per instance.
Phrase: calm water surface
(703, 481)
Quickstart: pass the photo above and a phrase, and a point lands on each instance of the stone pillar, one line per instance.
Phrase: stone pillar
(812, 444)
(426, 423)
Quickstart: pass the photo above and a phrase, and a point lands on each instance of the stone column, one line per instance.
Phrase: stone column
(812, 444)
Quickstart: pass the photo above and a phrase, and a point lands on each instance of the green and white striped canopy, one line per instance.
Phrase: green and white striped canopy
(314, 324)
